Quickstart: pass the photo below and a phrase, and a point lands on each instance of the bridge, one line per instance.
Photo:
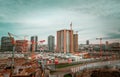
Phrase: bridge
(79, 68)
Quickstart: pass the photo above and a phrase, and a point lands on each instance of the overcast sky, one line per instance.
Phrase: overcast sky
(92, 18)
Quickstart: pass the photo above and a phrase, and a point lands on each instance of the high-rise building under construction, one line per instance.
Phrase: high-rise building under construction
(65, 41)
(75, 42)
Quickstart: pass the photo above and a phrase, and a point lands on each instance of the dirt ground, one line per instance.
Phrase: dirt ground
(99, 73)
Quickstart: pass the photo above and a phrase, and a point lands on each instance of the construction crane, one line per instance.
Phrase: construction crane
(11, 38)
(71, 25)
(25, 43)
(13, 42)
(33, 48)
(77, 32)
(100, 45)
(41, 42)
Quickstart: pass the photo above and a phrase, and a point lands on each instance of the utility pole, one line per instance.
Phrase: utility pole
(100, 45)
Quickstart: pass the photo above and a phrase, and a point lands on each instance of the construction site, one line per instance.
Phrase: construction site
(23, 63)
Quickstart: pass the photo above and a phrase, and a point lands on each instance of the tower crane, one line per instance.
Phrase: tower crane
(13, 42)
(100, 45)
(71, 25)
(77, 32)
(33, 43)
(41, 42)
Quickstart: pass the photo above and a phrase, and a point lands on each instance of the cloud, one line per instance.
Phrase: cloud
(92, 18)
(100, 8)
(113, 35)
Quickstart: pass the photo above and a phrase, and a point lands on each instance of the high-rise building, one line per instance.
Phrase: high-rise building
(75, 42)
(21, 46)
(51, 43)
(87, 42)
(34, 44)
(65, 41)
(6, 44)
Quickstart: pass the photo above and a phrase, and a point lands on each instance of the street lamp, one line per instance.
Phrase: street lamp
(100, 45)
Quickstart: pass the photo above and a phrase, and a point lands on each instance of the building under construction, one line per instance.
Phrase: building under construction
(6, 44)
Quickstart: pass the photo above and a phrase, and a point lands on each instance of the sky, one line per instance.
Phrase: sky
(91, 18)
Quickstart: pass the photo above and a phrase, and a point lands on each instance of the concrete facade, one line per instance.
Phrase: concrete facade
(65, 41)
(75, 41)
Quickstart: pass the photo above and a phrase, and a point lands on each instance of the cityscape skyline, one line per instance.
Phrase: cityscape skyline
(91, 19)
